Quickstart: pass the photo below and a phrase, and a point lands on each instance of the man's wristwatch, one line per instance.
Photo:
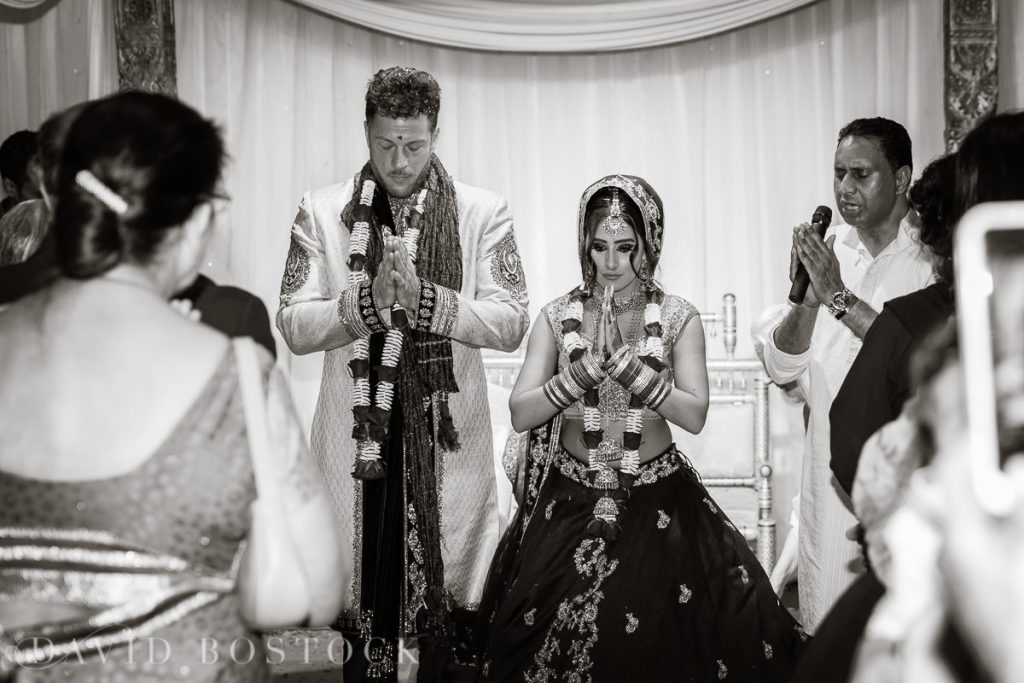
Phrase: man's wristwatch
(841, 303)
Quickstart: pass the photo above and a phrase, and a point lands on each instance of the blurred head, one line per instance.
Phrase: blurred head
(50, 142)
(935, 373)
(22, 230)
(932, 198)
(621, 221)
(16, 154)
(153, 165)
(990, 163)
(402, 104)
(873, 167)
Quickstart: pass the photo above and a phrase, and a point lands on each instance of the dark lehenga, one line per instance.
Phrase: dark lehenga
(678, 597)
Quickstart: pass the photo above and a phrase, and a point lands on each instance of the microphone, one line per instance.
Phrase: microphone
(819, 221)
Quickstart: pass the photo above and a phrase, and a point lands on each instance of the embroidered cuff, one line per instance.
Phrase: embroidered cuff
(428, 301)
(446, 311)
(368, 309)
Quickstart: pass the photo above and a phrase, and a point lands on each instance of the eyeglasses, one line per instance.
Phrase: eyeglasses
(219, 203)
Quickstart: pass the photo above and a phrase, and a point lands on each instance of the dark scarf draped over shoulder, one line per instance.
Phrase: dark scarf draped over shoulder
(426, 378)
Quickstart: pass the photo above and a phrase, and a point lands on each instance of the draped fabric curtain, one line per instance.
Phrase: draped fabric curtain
(553, 25)
(736, 132)
(22, 4)
(60, 58)
(1011, 55)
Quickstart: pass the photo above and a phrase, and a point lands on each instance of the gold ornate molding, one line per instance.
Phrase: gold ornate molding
(144, 30)
(971, 83)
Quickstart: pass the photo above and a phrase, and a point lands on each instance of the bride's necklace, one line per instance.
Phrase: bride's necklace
(633, 302)
(631, 330)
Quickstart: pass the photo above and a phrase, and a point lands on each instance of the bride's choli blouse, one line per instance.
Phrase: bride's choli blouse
(676, 313)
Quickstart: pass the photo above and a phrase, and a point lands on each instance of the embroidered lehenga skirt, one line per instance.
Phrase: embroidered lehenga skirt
(679, 596)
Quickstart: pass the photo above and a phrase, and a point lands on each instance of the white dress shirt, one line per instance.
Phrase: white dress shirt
(828, 561)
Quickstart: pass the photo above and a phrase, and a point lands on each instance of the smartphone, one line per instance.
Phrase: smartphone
(989, 259)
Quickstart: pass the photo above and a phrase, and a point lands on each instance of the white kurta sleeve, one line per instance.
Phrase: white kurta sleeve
(496, 317)
(783, 367)
(311, 317)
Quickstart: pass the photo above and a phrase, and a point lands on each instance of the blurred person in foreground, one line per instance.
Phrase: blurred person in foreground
(125, 466)
(40, 269)
(982, 557)
(230, 310)
(18, 172)
(903, 521)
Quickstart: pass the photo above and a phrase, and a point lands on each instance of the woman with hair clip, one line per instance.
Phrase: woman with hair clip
(619, 565)
(129, 434)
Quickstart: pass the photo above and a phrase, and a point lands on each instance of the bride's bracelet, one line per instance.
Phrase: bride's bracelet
(571, 384)
(641, 380)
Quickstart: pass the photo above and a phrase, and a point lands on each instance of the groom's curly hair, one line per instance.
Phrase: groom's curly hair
(403, 92)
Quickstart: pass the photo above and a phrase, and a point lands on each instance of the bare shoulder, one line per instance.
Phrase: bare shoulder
(99, 394)
(194, 342)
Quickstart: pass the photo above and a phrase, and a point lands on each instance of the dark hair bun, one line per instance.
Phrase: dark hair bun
(156, 154)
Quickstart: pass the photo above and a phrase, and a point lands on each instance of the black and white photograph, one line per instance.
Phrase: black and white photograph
(512, 341)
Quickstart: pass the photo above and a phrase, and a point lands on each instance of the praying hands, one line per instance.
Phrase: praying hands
(396, 279)
(609, 338)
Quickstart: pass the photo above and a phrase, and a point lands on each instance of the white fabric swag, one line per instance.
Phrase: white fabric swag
(553, 25)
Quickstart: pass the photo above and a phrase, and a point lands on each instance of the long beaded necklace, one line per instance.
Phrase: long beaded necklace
(614, 485)
(612, 398)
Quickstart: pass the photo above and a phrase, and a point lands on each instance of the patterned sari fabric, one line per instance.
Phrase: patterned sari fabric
(132, 577)
(678, 597)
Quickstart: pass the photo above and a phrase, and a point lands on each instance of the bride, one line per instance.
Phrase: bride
(619, 565)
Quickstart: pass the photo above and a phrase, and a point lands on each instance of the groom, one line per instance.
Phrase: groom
(401, 275)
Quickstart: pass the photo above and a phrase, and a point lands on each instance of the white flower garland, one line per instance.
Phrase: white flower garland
(368, 448)
(650, 350)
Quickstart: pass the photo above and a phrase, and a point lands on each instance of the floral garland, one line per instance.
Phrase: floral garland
(372, 409)
(615, 486)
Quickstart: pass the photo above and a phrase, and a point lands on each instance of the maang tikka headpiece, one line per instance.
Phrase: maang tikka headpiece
(613, 222)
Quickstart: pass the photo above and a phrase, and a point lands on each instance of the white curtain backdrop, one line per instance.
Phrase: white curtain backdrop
(553, 25)
(1011, 55)
(736, 131)
(63, 57)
